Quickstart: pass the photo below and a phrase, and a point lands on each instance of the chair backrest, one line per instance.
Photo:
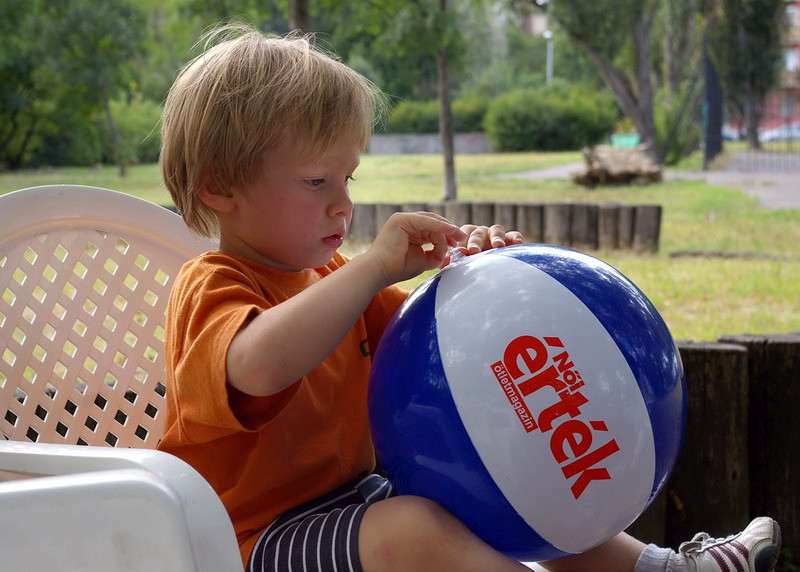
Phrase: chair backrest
(85, 274)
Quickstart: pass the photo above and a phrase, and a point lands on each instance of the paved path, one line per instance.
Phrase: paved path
(773, 190)
(775, 184)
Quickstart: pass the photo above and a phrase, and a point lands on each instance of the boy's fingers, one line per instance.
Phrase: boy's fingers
(497, 235)
(482, 238)
(515, 237)
(433, 223)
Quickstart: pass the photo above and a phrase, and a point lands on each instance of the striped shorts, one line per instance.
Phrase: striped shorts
(320, 535)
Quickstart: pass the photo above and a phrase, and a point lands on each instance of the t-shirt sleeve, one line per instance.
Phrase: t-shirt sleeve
(210, 307)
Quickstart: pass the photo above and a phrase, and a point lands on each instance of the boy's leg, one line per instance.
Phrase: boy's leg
(755, 549)
(412, 533)
(618, 554)
(409, 533)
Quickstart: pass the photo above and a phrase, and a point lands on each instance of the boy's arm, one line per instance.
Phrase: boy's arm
(284, 343)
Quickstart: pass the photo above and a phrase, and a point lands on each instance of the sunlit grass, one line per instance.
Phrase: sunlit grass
(701, 298)
(143, 181)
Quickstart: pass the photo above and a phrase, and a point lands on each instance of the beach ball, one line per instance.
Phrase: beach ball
(534, 392)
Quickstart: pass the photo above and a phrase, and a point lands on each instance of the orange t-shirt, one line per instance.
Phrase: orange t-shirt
(264, 455)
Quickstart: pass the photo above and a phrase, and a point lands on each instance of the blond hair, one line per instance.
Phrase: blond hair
(233, 103)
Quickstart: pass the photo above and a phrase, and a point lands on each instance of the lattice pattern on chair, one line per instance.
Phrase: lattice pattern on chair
(82, 321)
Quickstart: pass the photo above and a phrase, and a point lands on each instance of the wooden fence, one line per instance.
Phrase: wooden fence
(740, 456)
(584, 226)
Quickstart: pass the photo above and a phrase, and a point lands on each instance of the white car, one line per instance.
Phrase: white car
(788, 132)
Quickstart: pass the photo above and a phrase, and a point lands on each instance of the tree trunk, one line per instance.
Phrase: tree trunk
(752, 117)
(446, 124)
(712, 130)
(636, 104)
(17, 160)
(644, 110)
(112, 130)
(298, 15)
(678, 40)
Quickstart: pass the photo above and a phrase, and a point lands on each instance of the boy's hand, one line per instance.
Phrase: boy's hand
(411, 243)
(480, 238)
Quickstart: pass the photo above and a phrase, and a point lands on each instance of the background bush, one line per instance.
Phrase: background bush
(423, 116)
(414, 117)
(549, 119)
(677, 133)
(138, 129)
(469, 114)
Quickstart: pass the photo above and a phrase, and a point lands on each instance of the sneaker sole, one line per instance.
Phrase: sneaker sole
(767, 557)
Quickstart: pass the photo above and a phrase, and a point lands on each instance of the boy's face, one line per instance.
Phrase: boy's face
(296, 211)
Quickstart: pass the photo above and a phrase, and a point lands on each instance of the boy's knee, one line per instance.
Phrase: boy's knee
(402, 530)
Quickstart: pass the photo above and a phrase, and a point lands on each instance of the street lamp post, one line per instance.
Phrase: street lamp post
(548, 36)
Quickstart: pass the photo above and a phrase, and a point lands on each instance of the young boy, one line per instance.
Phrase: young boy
(268, 339)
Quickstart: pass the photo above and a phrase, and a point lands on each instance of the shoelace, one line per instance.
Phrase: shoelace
(696, 543)
(719, 549)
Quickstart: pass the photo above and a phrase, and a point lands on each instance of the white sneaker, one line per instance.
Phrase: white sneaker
(754, 549)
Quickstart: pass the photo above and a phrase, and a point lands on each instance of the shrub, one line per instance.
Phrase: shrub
(555, 119)
(67, 142)
(414, 117)
(423, 116)
(469, 114)
(677, 133)
(137, 124)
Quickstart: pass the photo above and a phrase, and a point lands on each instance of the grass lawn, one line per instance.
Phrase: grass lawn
(700, 298)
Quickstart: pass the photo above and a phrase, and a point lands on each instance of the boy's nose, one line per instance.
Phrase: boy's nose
(343, 205)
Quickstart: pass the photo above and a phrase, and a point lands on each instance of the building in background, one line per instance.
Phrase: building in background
(780, 120)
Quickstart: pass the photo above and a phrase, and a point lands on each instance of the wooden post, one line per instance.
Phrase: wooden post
(708, 488)
(362, 225)
(557, 223)
(774, 408)
(457, 212)
(482, 214)
(382, 213)
(505, 214)
(608, 226)
(437, 208)
(530, 221)
(583, 226)
(625, 230)
(650, 527)
(646, 228)
(413, 207)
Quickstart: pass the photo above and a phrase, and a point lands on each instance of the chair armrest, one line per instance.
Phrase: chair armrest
(98, 508)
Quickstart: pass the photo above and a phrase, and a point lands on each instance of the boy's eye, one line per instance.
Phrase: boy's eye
(349, 178)
(315, 182)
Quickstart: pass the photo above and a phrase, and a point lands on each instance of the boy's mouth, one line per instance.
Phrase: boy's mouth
(334, 240)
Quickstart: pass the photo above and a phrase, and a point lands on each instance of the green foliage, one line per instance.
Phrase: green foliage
(603, 26)
(71, 140)
(414, 117)
(90, 45)
(469, 113)
(746, 47)
(61, 63)
(678, 136)
(423, 116)
(549, 119)
(137, 129)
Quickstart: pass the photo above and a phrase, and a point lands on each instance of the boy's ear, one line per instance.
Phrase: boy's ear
(216, 196)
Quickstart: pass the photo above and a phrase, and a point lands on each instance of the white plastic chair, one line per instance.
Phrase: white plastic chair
(85, 274)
